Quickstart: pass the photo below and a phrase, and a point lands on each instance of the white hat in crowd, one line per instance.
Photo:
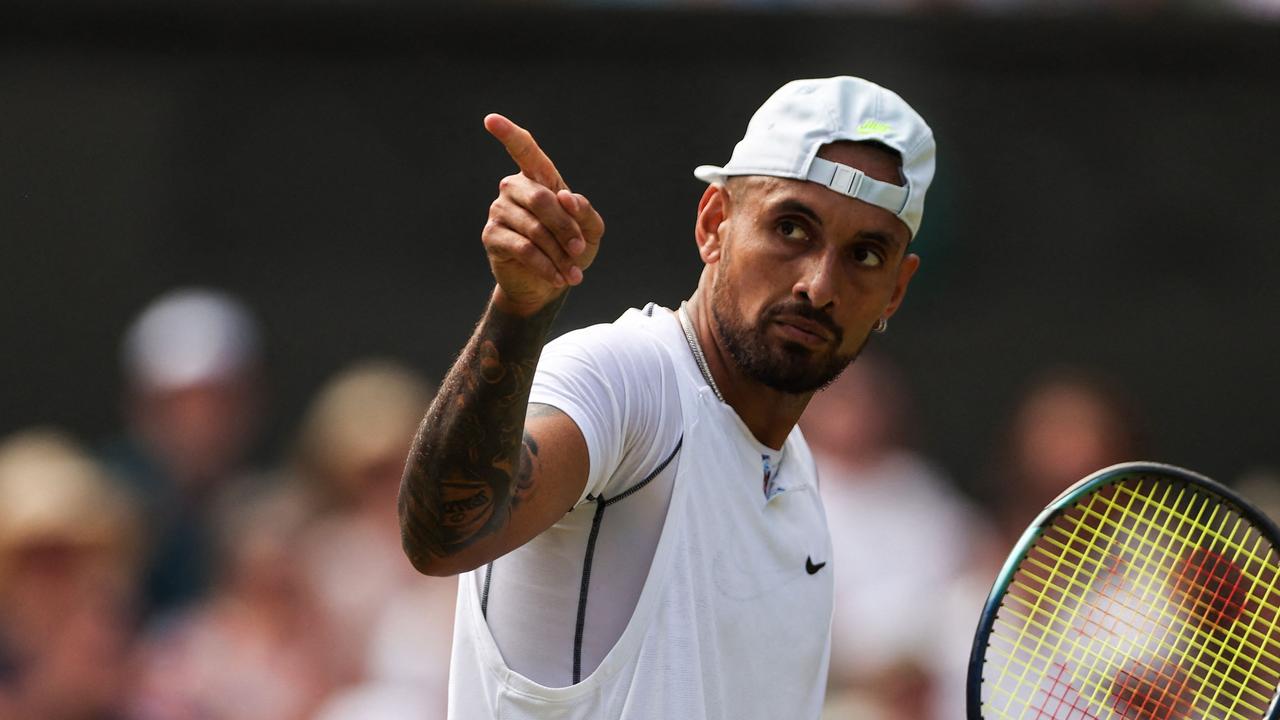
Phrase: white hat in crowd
(190, 336)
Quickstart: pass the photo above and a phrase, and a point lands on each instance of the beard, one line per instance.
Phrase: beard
(790, 367)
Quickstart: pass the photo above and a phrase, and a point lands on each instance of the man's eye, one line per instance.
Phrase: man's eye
(792, 231)
(867, 257)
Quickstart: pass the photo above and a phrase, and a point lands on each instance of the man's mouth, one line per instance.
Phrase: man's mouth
(804, 331)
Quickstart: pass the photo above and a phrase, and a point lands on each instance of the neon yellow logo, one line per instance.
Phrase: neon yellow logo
(873, 126)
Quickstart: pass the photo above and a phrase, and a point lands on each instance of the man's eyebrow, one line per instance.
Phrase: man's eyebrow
(792, 206)
(888, 240)
(798, 208)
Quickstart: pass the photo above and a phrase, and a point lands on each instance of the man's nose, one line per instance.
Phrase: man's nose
(817, 281)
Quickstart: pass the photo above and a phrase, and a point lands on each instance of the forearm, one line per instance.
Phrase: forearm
(471, 462)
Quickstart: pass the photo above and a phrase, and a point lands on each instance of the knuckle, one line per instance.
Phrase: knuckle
(549, 247)
(569, 231)
(527, 252)
(542, 196)
(549, 238)
(539, 235)
(497, 249)
(530, 227)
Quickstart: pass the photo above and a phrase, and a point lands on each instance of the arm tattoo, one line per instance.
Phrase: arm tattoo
(472, 463)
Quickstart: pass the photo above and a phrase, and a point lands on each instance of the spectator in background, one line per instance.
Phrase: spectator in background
(192, 367)
(67, 563)
(1068, 424)
(901, 534)
(258, 648)
(392, 626)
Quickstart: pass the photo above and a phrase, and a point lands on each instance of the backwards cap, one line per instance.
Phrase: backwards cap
(784, 136)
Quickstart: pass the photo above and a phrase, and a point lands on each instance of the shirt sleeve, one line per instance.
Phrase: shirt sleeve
(618, 386)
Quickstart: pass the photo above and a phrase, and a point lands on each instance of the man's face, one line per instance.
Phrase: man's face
(804, 273)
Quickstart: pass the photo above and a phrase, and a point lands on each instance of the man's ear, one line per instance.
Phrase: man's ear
(711, 215)
(910, 263)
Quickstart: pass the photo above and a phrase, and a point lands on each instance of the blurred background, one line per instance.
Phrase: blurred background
(239, 243)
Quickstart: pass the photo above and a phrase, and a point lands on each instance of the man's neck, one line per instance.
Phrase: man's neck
(768, 413)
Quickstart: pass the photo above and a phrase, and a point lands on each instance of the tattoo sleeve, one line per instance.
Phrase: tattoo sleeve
(472, 463)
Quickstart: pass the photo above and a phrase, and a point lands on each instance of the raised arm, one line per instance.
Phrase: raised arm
(484, 476)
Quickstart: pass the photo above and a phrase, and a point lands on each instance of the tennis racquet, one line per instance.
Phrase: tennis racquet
(1143, 592)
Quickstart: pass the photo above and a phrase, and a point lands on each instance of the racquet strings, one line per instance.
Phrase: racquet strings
(1149, 599)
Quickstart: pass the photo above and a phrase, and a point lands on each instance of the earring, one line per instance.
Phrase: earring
(881, 325)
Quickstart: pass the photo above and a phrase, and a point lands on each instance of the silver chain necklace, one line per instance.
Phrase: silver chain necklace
(692, 338)
(696, 348)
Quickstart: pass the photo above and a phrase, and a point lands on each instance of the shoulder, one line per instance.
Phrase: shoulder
(638, 342)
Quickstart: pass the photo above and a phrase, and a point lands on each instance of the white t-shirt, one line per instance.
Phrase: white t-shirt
(619, 386)
(698, 584)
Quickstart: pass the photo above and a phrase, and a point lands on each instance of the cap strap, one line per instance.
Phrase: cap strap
(856, 184)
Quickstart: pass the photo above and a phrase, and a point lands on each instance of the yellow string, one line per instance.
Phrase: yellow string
(1096, 655)
(1216, 657)
(1040, 597)
(1070, 621)
(1152, 540)
(1084, 588)
(1252, 671)
(1185, 543)
(1050, 663)
(1146, 582)
(1260, 599)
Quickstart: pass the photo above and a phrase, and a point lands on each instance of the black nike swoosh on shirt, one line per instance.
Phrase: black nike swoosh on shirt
(808, 565)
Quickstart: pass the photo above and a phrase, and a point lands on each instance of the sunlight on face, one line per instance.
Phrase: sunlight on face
(786, 367)
(804, 273)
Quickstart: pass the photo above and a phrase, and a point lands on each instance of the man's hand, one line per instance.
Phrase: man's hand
(540, 237)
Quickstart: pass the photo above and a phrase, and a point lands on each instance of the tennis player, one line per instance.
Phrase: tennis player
(633, 508)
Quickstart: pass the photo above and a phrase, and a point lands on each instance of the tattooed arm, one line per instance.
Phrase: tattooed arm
(482, 478)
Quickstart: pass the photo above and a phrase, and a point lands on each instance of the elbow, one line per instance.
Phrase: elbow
(429, 553)
(422, 559)
(434, 568)
(415, 541)
(437, 566)
(425, 563)
(430, 563)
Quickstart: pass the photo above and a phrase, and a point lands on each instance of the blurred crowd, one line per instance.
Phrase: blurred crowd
(906, 611)
(157, 575)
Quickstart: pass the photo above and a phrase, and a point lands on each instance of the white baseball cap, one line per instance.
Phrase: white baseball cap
(785, 134)
(189, 336)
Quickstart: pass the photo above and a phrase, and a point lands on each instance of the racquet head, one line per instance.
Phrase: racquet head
(1143, 592)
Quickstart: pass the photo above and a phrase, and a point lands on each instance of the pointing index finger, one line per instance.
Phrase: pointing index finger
(522, 148)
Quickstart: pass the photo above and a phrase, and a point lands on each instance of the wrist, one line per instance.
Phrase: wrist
(507, 305)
